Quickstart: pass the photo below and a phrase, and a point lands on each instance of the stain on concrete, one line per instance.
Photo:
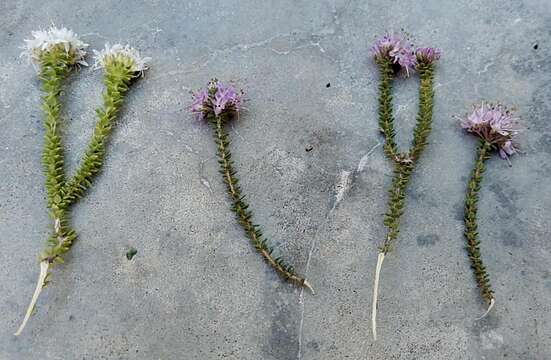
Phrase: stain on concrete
(427, 239)
(511, 238)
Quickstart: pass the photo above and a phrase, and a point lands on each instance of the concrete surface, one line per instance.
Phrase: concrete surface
(196, 289)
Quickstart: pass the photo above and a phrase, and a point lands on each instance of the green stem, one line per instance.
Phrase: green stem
(117, 79)
(241, 208)
(471, 223)
(396, 203)
(386, 119)
(424, 115)
(55, 66)
(54, 69)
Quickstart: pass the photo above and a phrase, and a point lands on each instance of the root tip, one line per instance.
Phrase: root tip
(307, 285)
(490, 307)
(380, 259)
(44, 265)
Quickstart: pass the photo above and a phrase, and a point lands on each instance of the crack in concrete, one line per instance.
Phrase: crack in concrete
(348, 182)
(304, 40)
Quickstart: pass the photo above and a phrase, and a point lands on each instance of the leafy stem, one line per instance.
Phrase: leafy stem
(396, 203)
(471, 223)
(117, 80)
(424, 115)
(241, 208)
(54, 68)
(386, 119)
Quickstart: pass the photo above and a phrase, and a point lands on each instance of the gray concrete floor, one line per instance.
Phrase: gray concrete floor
(196, 289)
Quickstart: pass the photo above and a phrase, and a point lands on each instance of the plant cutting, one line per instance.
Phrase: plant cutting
(496, 127)
(56, 52)
(397, 57)
(218, 104)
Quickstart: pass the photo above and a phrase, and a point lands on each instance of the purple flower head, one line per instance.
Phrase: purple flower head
(200, 98)
(405, 57)
(216, 99)
(398, 51)
(507, 149)
(385, 45)
(494, 123)
(225, 98)
(427, 55)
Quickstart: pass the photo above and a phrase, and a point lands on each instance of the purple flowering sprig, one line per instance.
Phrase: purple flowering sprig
(394, 55)
(496, 127)
(218, 103)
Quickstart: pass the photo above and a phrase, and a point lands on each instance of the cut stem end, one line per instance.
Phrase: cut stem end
(44, 265)
(307, 285)
(380, 260)
(490, 307)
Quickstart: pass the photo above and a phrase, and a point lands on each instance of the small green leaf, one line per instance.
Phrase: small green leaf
(131, 253)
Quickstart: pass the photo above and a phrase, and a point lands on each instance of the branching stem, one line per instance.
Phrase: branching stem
(61, 193)
(404, 162)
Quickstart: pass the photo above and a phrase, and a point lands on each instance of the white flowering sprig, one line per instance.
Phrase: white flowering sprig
(122, 65)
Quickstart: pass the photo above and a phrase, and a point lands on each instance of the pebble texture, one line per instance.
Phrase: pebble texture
(310, 157)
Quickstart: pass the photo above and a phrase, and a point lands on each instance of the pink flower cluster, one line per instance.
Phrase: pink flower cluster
(495, 124)
(217, 98)
(402, 53)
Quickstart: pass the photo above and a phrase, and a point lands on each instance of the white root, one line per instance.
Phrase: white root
(39, 286)
(490, 307)
(307, 284)
(380, 260)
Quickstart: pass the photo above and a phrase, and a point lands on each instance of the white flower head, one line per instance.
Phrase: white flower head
(119, 52)
(44, 40)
